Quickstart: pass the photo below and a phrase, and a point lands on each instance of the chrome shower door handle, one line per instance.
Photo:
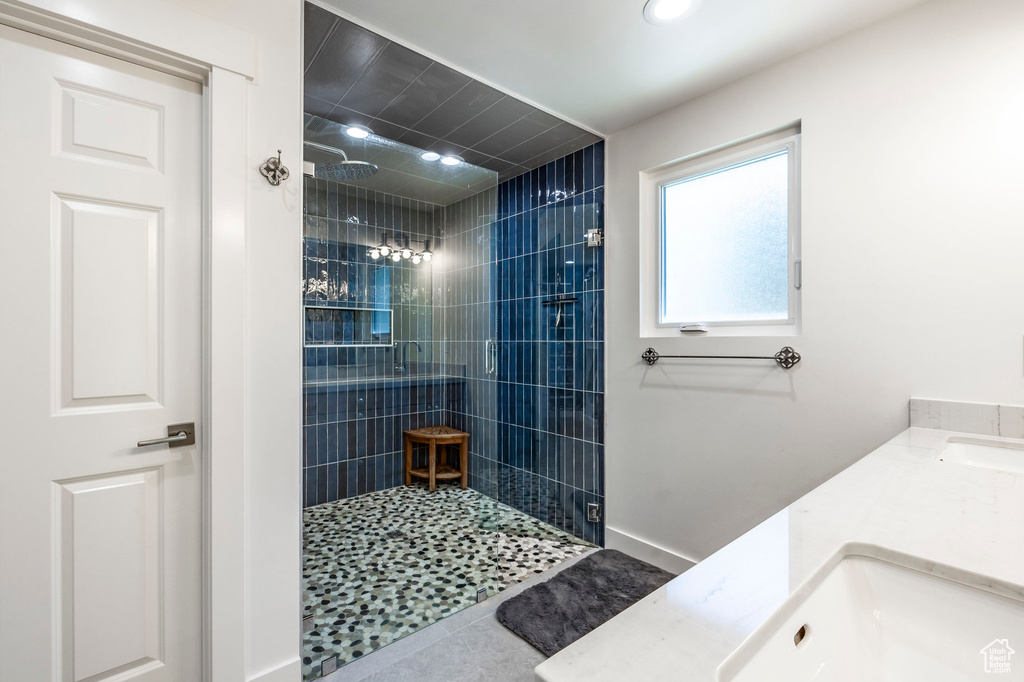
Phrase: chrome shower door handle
(490, 356)
(178, 435)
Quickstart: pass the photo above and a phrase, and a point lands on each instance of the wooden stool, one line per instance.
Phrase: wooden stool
(434, 436)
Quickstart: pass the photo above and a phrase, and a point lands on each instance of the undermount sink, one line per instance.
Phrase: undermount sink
(876, 614)
(981, 452)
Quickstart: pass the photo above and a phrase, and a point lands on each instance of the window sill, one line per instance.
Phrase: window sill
(744, 331)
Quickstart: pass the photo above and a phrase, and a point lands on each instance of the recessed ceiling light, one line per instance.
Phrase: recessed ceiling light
(451, 160)
(665, 11)
(430, 156)
(358, 132)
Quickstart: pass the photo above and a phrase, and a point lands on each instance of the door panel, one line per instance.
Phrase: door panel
(109, 354)
(109, 542)
(105, 127)
(100, 302)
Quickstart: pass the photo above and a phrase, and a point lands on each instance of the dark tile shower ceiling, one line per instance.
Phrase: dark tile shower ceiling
(356, 77)
(401, 170)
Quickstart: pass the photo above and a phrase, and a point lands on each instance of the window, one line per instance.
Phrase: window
(726, 226)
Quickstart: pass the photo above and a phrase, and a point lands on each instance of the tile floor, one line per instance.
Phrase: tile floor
(471, 646)
(385, 565)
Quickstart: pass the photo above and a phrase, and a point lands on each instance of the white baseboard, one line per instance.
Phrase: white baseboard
(289, 672)
(646, 551)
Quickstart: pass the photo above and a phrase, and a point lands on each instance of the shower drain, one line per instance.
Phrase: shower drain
(395, 534)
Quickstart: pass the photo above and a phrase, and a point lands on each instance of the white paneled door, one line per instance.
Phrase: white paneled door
(100, 347)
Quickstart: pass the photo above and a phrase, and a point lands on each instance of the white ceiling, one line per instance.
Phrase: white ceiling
(597, 63)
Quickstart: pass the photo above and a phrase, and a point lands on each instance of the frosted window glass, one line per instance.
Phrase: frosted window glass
(726, 244)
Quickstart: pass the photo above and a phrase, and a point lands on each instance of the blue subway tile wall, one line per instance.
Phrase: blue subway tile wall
(359, 399)
(524, 314)
(503, 335)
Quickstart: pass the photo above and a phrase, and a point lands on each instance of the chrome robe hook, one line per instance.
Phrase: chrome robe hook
(274, 171)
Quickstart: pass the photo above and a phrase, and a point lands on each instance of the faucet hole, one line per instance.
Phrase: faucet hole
(801, 635)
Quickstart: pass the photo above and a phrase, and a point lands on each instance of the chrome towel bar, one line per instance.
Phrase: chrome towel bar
(787, 357)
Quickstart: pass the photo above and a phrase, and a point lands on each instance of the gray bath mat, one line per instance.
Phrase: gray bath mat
(556, 613)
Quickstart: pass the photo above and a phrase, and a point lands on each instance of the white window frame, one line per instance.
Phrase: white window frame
(652, 237)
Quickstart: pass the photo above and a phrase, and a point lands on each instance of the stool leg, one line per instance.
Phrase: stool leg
(408, 461)
(464, 461)
(433, 466)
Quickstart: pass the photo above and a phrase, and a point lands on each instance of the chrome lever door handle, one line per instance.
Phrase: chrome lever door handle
(170, 440)
(178, 435)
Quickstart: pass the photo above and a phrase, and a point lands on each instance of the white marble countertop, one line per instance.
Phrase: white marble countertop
(899, 496)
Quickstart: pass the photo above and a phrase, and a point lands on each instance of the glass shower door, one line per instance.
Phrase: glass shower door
(517, 319)
(541, 344)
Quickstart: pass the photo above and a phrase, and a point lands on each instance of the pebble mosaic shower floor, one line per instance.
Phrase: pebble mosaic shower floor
(383, 565)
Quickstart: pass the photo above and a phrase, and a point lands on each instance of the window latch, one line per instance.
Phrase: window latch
(692, 329)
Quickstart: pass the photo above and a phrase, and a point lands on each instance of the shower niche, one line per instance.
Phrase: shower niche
(342, 326)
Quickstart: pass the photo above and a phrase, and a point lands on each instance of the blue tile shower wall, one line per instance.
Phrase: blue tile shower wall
(535, 405)
(357, 401)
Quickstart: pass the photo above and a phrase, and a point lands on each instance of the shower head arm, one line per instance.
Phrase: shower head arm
(326, 148)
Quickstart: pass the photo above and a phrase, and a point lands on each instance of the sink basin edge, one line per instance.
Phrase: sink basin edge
(753, 644)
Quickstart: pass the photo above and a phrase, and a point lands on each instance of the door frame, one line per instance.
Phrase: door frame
(173, 39)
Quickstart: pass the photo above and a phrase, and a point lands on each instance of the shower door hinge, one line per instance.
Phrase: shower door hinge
(595, 237)
(593, 512)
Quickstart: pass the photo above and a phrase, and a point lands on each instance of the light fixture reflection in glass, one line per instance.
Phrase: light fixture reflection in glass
(403, 251)
(665, 11)
(384, 247)
(451, 160)
(430, 156)
(358, 132)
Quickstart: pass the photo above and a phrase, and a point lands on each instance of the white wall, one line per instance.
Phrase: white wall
(273, 359)
(913, 237)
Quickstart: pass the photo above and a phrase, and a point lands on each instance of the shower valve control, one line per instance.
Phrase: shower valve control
(593, 512)
(595, 237)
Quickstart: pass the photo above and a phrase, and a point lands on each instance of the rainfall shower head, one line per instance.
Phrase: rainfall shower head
(346, 170)
(343, 171)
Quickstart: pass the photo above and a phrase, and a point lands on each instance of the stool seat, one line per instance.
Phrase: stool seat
(439, 433)
(434, 436)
